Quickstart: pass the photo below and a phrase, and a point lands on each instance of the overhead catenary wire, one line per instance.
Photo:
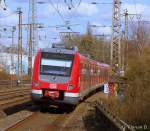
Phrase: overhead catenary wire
(70, 4)
(57, 11)
(61, 16)
(77, 4)
(75, 8)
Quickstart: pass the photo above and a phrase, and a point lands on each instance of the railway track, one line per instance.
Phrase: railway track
(57, 120)
(38, 120)
(4, 84)
(14, 124)
(12, 96)
(53, 119)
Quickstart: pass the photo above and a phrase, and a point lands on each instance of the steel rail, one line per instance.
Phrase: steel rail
(18, 123)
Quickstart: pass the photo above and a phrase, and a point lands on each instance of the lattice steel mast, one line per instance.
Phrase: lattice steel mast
(116, 37)
(33, 20)
(20, 51)
(125, 46)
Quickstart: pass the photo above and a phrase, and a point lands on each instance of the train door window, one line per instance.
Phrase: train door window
(98, 71)
(95, 70)
(84, 71)
(91, 71)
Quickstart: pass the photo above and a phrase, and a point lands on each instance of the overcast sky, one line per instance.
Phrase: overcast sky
(99, 14)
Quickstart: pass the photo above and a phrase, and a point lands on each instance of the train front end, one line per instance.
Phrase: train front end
(56, 76)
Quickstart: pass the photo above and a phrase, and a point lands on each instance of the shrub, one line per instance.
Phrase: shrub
(135, 109)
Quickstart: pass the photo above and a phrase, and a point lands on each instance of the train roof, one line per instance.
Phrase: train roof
(105, 65)
(73, 51)
(95, 62)
(58, 50)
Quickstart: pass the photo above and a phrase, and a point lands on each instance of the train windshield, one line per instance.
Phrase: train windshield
(56, 64)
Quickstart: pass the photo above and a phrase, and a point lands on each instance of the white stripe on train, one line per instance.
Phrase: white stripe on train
(72, 94)
(37, 92)
(66, 94)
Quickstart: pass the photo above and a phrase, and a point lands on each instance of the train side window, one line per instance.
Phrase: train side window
(95, 71)
(91, 71)
(99, 71)
(83, 69)
(86, 67)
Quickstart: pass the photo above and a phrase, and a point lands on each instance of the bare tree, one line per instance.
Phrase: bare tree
(140, 35)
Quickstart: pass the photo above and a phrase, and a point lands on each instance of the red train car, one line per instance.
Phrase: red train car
(65, 76)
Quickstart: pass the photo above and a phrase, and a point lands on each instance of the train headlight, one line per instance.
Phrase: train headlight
(35, 84)
(70, 87)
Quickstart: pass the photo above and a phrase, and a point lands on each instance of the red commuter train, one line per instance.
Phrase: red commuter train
(65, 76)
